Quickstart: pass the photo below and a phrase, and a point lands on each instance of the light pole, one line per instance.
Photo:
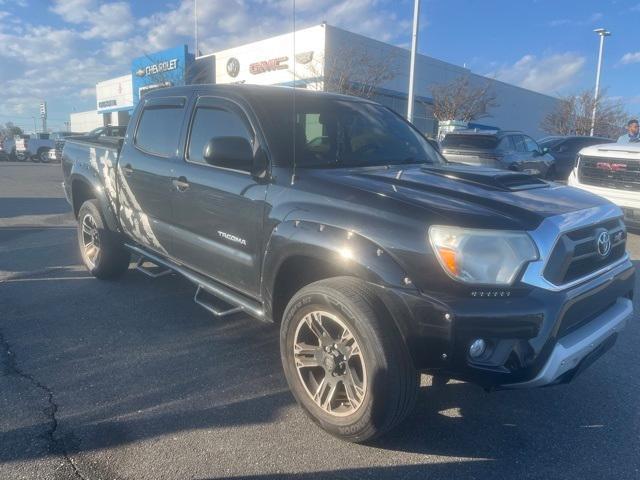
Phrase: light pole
(602, 33)
(195, 25)
(412, 65)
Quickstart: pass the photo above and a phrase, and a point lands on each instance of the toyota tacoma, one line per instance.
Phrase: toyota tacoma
(334, 218)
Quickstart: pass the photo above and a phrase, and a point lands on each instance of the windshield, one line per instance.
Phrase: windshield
(465, 140)
(550, 142)
(330, 133)
(95, 131)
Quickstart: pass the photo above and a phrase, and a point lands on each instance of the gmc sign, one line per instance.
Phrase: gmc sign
(268, 65)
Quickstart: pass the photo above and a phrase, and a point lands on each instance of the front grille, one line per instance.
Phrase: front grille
(609, 173)
(576, 252)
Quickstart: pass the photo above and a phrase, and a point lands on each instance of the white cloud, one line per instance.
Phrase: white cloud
(233, 22)
(74, 11)
(29, 48)
(631, 57)
(114, 20)
(103, 20)
(548, 74)
(17, 3)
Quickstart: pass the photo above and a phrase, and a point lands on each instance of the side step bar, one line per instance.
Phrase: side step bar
(148, 272)
(237, 302)
(219, 311)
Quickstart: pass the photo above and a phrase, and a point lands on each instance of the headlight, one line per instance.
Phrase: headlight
(493, 257)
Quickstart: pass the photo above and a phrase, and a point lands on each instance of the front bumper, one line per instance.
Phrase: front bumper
(577, 347)
(536, 336)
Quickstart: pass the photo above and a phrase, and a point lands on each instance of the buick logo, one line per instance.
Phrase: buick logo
(233, 67)
(603, 244)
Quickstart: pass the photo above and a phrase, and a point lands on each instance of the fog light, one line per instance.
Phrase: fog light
(477, 348)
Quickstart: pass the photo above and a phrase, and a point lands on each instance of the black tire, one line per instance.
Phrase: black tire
(34, 158)
(43, 156)
(391, 381)
(111, 260)
(551, 173)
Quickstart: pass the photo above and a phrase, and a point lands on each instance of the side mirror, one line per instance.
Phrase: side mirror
(229, 152)
(544, 150)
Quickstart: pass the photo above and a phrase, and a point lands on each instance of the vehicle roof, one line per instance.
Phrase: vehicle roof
(249, 90)
(613, 150)
(488, 133)
(566, 137)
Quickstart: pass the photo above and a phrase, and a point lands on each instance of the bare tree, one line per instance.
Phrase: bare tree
(9, 130)
(572, 116)
(350, 71)
(459, 100)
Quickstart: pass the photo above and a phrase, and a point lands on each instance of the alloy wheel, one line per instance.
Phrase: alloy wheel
(330, 363)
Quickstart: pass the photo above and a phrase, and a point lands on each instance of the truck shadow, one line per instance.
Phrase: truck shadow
(136, 359)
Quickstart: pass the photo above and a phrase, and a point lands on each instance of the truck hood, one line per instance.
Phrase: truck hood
(460, 194)
(613, 150)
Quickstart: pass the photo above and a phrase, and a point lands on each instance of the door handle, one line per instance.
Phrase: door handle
(180, 183)
(127, 169)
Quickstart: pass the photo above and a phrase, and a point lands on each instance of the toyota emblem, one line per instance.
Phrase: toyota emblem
(604, 244)
(233, 67)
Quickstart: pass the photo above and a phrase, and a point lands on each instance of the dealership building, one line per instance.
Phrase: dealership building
(319, 58)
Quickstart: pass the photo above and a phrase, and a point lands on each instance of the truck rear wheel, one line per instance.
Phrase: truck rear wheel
(43, 156)
(102, 251)
(345, 360)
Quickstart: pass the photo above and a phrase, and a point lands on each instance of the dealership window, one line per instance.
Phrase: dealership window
(159, 130)
(211, 123)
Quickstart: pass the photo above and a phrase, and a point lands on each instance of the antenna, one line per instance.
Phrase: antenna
(295, 118)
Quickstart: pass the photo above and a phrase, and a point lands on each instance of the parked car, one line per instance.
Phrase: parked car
(613, 172)
(565, 151)
(54, 155)
(34, 147)
(8, 149)
(376, 258)
(508, 150)
(108, 131)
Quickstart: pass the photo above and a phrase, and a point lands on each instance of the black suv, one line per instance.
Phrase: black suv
(565, 151)
(508, 150)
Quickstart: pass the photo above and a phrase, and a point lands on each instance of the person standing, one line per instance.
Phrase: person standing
(632, 135)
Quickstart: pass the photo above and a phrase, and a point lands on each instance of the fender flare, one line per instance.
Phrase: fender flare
(352, 253)
(92, 183)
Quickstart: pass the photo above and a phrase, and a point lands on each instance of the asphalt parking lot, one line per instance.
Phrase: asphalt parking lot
(132, 380)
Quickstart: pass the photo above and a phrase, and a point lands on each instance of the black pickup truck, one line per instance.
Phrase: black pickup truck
(335, 218)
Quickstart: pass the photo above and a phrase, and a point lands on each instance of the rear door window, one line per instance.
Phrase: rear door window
(518, 140)
(530, 144)
(505, 145)
(159, 127)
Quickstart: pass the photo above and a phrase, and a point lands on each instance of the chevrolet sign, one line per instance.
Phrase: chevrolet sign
(160, 67)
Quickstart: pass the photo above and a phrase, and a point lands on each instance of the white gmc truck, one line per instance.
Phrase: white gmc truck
(611, 171)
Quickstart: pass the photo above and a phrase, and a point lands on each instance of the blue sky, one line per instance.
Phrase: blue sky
(59, 49)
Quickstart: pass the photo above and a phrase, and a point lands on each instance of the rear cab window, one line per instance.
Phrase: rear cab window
(482, 142)
(159, 126)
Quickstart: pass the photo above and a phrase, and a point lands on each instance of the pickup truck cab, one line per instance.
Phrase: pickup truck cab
(34, 147)
(334, 218)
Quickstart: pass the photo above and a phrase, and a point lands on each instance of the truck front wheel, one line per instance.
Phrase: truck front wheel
(345, 361)
(102, 251)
